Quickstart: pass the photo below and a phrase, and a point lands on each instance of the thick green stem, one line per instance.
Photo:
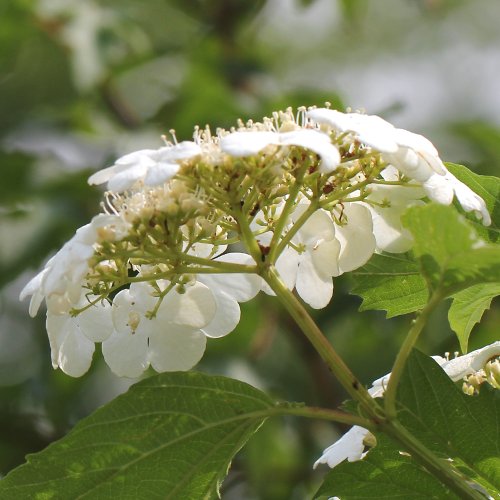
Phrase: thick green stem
(442, 469)
(404, 352)
(334, 362)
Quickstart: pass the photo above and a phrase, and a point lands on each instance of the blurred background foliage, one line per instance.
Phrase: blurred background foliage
(84, 81)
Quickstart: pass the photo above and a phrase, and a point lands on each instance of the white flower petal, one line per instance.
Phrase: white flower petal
(195, 308)
(472, 362)
(369, 129)
(356, 238)
(126, 353)
(389, 233)
(418, 143)
(182, 151)
(240, 286)
(126, 179)
(287, 266)
(129, 308)
(101, 176)
(70, 349)
(350, 446)
(316, 141)
(33, 288)
(160, 173)
(240, 144)
(95, 322)
(326, 258)
(176, 348)
(314, 289)
(226, 318)
(469, 200)
(439, 189)
(318, 227)
(141, 157)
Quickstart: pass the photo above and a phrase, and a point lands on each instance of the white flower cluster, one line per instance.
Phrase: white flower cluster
(352, 444)
(309, 196)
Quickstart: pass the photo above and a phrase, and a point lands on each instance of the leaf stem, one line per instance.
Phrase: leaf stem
(324, 414)
(411, 339)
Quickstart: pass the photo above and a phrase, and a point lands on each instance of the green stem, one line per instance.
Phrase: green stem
(404, 352)
(278, 249)
(440, 468)
(247, 236)
(334, 362)
(324, 414)
(287, 210)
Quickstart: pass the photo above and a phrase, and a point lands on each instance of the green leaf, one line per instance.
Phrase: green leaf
(468, 307)
(170, 436)
(383, 474)
(449, 423)
(488, 187)
(392, 283)
(452, 256)
(463, 428)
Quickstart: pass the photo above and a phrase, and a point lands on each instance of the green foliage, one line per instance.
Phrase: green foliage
(383, 474)
(170, 436)
(392, 283)
(451, 255)
(468, 307)
(452, 259)
(449, 423)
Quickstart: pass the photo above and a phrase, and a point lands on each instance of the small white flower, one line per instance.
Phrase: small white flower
(250, 143)
(72, 337)
(60, 283)
(151, 166)
(350, 446)
(318, 258)
(172, 340)
(416, 156)
(357, 241)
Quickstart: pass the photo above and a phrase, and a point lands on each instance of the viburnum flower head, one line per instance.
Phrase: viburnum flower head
(309, 196)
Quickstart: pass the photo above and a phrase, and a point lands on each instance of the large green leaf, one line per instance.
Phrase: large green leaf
(463, 428)
(452, 256)
(451, 424)
(170, 436)
(392, 283)
(468, 307)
